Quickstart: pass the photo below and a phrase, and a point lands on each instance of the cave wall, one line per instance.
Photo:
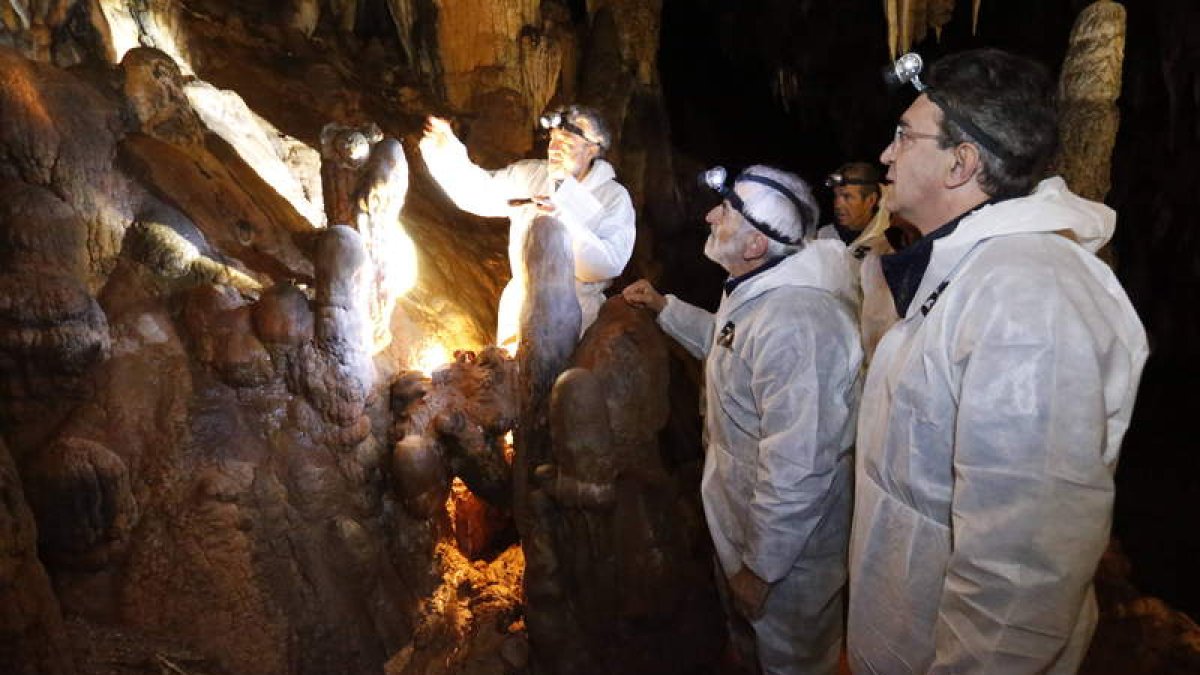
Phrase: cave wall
(197, 345)
(203, 436)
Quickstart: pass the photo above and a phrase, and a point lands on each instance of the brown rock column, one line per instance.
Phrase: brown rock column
(32, 639)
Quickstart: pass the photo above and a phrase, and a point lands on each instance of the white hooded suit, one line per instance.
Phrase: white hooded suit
(782, 360)
(991, 421)
(602, 246)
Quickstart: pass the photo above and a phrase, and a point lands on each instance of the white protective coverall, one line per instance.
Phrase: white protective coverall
(782, 389)
(877, 312)
(987, 442)
(601, 246)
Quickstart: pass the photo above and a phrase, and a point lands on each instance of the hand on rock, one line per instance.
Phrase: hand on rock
(641, 294)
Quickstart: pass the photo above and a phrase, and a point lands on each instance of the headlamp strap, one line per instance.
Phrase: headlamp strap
(566, 125)
(770, 232)
(979, 135)
(838, 180)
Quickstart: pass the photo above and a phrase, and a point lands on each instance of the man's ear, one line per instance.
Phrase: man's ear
(593, 152)
(872, 200)
(967, 164)
(755, 247)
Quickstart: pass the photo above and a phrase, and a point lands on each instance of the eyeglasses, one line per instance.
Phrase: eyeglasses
(903, 134)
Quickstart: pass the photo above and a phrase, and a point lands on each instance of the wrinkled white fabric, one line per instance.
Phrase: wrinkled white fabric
(877, 310)
(601, 246)
(781, 394)
(987, 441)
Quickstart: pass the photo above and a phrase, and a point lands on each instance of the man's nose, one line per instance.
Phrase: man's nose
(887, 155)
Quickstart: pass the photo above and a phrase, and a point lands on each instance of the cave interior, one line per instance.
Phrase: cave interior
(251, 420)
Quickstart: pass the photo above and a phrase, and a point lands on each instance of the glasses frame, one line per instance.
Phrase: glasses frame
(903, 133)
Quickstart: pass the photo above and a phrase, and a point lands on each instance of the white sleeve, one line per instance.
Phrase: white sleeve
(689, 325)
(603, 246)
(1032, 495)
(484, 193)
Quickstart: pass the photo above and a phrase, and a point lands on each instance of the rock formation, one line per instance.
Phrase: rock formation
(221, 450)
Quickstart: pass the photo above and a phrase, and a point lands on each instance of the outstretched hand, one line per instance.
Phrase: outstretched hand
(641, 294)
(438, 134)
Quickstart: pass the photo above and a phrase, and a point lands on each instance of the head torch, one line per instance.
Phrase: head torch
(716, 179)
(903, 70)
(837, 180)
(556, 119)
(907, 68)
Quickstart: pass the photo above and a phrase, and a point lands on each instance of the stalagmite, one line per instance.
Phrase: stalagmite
(550, 319)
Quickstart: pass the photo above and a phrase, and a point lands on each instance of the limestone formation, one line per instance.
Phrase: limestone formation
(910, 20)
(52, 330)
(283, 316)
(453, 425)
(193, 395)
(1087, 99)
(335, 371)
(365, 178)
(345, 151)
(32, 639)
(154, 93)
(288, 165)
(638, 24)
(202, 176)
(621, 532)
(81, 492)
(58, 134)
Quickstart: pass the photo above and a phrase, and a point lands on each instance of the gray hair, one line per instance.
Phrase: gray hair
(769, 206)
(600, 131)
(1011, 99)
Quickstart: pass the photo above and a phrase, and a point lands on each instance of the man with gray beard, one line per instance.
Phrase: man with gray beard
(782, 361)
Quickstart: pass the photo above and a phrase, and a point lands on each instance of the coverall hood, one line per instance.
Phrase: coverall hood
(821, 264)
(1050, 208)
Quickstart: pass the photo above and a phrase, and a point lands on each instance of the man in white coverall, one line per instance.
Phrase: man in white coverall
(782, 358)
(602, 233)
(993, 411)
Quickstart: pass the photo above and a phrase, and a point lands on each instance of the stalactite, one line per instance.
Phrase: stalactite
(541, 58)
(404, 15)
(638, 23)
(938, 15)
(478, 45)
(910, 20)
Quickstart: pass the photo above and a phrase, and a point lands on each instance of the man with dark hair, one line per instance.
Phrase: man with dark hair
(994, 409)
(781, 386)
(573, 184)
(856, 196)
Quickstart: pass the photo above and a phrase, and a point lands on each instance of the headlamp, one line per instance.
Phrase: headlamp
(555, 119)
(907, 68)
(550, 120)
(716, 180)
(837, 180)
